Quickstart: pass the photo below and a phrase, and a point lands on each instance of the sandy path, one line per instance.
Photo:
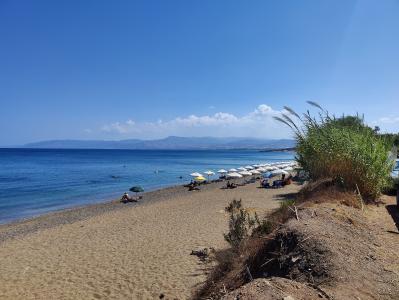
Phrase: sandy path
(135, 253)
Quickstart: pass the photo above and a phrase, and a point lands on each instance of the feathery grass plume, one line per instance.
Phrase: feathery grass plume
(283, 121)
(289, 120)
(315, 104)
(292, 112)
(344, 149)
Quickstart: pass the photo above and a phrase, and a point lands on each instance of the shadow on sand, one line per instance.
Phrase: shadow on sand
(285, 196)
(393, 210)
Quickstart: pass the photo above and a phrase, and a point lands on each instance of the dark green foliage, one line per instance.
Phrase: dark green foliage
(264, 227)
(391, 138)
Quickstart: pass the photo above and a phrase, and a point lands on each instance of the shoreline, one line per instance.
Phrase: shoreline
(24, 226)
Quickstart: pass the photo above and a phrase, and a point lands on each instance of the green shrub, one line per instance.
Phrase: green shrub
(343, 149)
(240, 223)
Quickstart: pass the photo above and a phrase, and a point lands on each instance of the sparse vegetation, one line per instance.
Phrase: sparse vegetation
(241, 223)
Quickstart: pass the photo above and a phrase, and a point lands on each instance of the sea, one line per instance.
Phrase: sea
(37, 181)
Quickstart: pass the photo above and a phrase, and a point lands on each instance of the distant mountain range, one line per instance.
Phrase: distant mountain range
(169, 143)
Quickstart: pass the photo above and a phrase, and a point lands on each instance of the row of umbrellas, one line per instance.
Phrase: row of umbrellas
(270, 170)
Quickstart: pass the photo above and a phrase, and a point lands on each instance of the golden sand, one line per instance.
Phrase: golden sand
(137, 252)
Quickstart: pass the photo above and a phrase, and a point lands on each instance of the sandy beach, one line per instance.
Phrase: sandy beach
(122, 251)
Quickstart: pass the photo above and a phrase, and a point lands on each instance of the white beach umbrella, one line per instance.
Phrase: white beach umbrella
(234, 175)
(249, 167)
(209, 173)
(288, 169)
(232, 170)
(245, 173)
(241, 169)
(196, 174)
(255, 172)
(222, 171)
(279, 172)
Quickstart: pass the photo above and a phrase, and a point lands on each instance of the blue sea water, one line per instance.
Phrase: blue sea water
(37, 181)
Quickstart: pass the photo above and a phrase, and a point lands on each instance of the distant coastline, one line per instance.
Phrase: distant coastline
(168, 143)
(291, 149)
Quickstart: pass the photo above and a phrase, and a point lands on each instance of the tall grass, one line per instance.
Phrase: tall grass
(343, 149)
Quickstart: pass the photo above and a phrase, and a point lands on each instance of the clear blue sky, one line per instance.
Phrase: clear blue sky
(123, 69)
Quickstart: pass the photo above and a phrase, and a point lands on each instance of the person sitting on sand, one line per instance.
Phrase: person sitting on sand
(264, 182)
(287, 181)
(125, 198)
(231, 185)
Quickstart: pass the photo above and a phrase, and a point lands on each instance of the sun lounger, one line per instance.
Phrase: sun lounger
(193, 188)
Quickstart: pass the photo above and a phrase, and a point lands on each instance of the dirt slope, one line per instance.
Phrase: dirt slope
(332, 252)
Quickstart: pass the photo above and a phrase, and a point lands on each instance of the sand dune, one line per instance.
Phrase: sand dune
(137, 252)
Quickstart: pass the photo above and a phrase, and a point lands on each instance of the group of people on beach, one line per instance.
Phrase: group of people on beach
(265, 182)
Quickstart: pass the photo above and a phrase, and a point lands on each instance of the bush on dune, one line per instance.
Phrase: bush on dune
(334, 152)
(343, 149)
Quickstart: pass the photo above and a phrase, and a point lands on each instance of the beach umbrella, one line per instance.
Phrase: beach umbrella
(261, 169)
(254, 172)
(222, 171)
(136, 189)
(272, 168)
(288, 169)
(199, 178)
(245, 173)
(209, 173)
(233, 170)
(267, 175)
(249, 167)
(234, 175)
(279, 172)
(241, 169)
(196, 174)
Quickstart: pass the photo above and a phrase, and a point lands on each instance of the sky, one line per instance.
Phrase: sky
(149, 69)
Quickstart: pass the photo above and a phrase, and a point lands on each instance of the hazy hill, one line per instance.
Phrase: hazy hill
(172, 143)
